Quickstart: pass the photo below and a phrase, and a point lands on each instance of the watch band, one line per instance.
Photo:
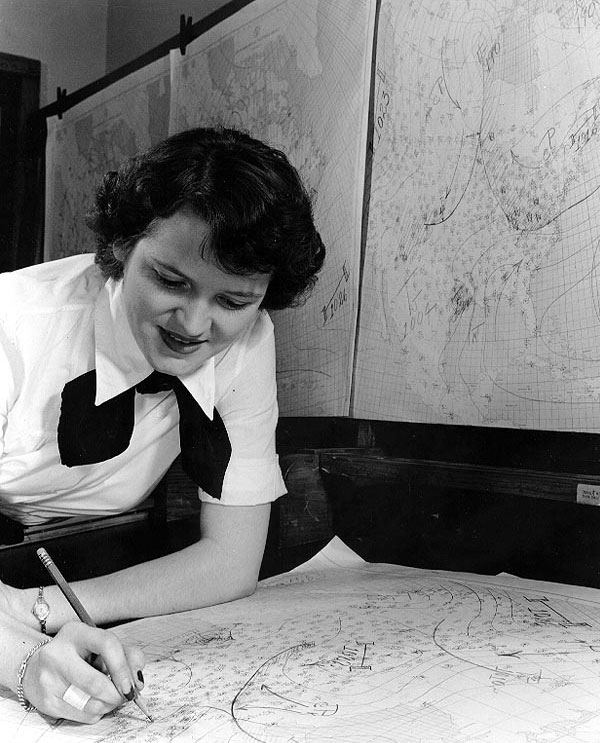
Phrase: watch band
(41, 609)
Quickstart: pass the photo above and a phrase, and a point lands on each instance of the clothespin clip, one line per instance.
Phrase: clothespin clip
(185, 32)
(61, 95)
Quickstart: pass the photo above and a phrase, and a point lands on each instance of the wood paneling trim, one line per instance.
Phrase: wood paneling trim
(369, 470)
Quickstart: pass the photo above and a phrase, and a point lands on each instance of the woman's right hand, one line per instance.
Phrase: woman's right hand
(61, 665)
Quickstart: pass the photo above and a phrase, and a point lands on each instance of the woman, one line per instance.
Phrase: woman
(197, 238)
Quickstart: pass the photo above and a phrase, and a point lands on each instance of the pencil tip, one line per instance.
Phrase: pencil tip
(138, 700)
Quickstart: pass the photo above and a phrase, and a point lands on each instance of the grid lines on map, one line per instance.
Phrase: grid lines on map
(479, 293)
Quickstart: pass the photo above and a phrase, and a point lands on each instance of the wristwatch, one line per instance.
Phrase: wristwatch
(41, 609)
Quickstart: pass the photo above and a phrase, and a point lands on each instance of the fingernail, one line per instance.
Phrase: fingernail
(130, 694)
(140, 676)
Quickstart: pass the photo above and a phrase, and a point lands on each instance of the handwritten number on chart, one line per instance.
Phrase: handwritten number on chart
(381, 110)
(338, 298)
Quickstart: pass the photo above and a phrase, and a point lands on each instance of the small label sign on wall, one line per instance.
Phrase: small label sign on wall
(589, 495)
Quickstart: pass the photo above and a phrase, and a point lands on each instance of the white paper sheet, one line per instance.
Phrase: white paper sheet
(344, 650)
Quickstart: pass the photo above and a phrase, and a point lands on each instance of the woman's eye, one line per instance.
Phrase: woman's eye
(229, 304)
(169, 283)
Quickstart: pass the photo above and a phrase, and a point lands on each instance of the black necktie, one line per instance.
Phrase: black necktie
(88, 433)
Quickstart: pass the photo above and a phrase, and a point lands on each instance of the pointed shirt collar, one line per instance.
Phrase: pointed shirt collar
(120, 364)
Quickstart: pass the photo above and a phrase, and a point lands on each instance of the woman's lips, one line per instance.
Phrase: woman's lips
(180, 343)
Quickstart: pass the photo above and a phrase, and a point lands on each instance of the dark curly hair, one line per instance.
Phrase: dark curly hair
(258, 211)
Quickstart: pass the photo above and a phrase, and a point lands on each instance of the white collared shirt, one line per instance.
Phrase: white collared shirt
(61, 319)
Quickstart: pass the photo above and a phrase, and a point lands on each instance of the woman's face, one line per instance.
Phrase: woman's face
(181, 307)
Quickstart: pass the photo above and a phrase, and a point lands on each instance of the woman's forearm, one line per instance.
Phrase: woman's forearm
(220, 567)
(176, 582)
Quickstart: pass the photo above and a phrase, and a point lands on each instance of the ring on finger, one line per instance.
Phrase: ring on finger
(76, 697)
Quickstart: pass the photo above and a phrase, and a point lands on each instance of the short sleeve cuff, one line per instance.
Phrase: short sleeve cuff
(249, 482)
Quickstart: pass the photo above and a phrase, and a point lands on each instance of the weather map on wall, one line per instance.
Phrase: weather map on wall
(93, 138)
(296, 74)
(467, 291)
(480, 295)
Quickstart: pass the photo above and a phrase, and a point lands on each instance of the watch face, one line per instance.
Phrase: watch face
(41, 609)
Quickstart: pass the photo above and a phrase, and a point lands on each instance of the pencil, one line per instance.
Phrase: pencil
(78, 607)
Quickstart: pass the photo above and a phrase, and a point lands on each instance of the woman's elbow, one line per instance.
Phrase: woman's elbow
(247, 587)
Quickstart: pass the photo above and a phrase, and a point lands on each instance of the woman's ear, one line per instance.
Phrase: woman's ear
(120, 252)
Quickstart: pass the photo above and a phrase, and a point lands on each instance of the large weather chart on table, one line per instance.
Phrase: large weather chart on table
(343, 650)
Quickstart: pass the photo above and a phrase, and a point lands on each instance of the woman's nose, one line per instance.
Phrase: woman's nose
(194, 318)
